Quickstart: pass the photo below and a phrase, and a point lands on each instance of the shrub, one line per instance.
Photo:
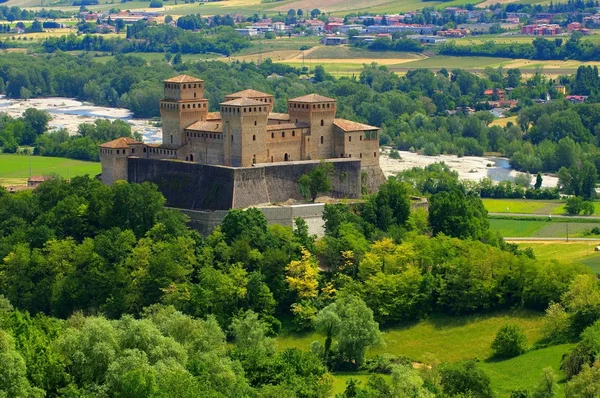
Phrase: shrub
(431, 149)
(465, 378)
(510, 341)
(394, 154)
(556, 324)
(523, 179)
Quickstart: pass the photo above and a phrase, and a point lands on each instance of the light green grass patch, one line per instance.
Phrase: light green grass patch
(525, 371)
(566, 252)
(523, 206)
(541, 229)
(15, 167)
(445, 338)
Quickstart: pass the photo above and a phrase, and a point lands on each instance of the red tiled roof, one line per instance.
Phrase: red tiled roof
(183, 79)
(38, 178)
(122, 142)
(213, 116)
(242, 102)
(312, 98)
(287, 126)
(206, 126)
(250, 93)
(348, 125)
(279, 116)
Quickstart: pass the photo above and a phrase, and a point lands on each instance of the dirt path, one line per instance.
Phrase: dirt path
(304, 53)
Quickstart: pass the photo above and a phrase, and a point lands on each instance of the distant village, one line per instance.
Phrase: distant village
(427, 26)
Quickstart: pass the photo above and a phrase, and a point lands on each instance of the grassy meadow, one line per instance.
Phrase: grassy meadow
(566, 252)
(15, 169)
(451, 339)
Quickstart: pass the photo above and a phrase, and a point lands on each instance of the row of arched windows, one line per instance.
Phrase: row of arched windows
(205, 135)
(176, 86)
(228, 109)
(183, 106)
(307, 106)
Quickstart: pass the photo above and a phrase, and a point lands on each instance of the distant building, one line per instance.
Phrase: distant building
(561, 89)
(576, 99)
(402, 28)
(34, 181)
(541, 29)
(334, 40)
(247, 32)
(423, 39)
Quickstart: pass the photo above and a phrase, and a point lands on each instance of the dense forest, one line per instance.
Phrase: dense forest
(108, 293)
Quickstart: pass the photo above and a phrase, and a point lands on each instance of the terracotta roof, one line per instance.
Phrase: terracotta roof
(213, 116)
(242, 102)
(312, 98)
(206, 126)
(250, 93)
(287, 126)
(183, 79)
(38, 178)
(279, 116)
(122, 142)
(348, 125)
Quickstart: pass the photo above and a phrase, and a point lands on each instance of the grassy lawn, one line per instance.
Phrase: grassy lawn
(150, 57)
(542, 229)
(566, 252)
(525, 371)
(543, 207)
(444, 338)
(15, 168)
(450, 339)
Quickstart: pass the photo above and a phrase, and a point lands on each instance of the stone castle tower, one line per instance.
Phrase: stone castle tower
(183, 105)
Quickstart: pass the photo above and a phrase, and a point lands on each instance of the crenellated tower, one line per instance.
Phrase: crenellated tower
(319, 113)
(183, 105)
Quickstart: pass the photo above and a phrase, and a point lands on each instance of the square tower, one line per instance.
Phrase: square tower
(183, 105)
(113, 157)
(244, 131)
(319, 113)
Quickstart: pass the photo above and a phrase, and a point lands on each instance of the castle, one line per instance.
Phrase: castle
(244, 134)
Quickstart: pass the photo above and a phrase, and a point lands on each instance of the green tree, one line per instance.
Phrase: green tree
(510, 341)
(465, 378)
(316, 181)
(389, 206)
(538, 181)
(357, 331)
(456, 214)
(547, 387)
(586, 384)
(328, 322)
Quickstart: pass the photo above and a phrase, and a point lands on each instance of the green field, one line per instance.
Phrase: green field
(525, 371)
(542, 229)
(566, 252)
(450, 339)
(543, 207)
(15, 169)
(525, 206)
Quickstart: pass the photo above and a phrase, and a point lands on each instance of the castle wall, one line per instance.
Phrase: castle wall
(206, 150)
(195, 186)
(186, 185)
(355, 145)
(282, 142)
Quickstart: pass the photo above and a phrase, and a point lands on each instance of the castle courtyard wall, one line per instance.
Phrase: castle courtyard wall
(194, 186)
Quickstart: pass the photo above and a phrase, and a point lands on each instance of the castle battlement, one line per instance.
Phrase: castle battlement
(245, 132)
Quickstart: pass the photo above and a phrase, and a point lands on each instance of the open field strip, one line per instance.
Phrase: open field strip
(15, 169)
(566, 252)
(543, 229)
(520, 206)
(457, 338)
(502, 122)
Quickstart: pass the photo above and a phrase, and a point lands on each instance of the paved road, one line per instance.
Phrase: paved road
(545, 216)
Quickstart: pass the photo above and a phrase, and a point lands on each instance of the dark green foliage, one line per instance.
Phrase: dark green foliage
(464, 378)
(317, 181)
(390, 206)
(459, 215)
(510, 341)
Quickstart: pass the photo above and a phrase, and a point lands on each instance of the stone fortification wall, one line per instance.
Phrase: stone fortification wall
(186, 185)
(194, 186)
